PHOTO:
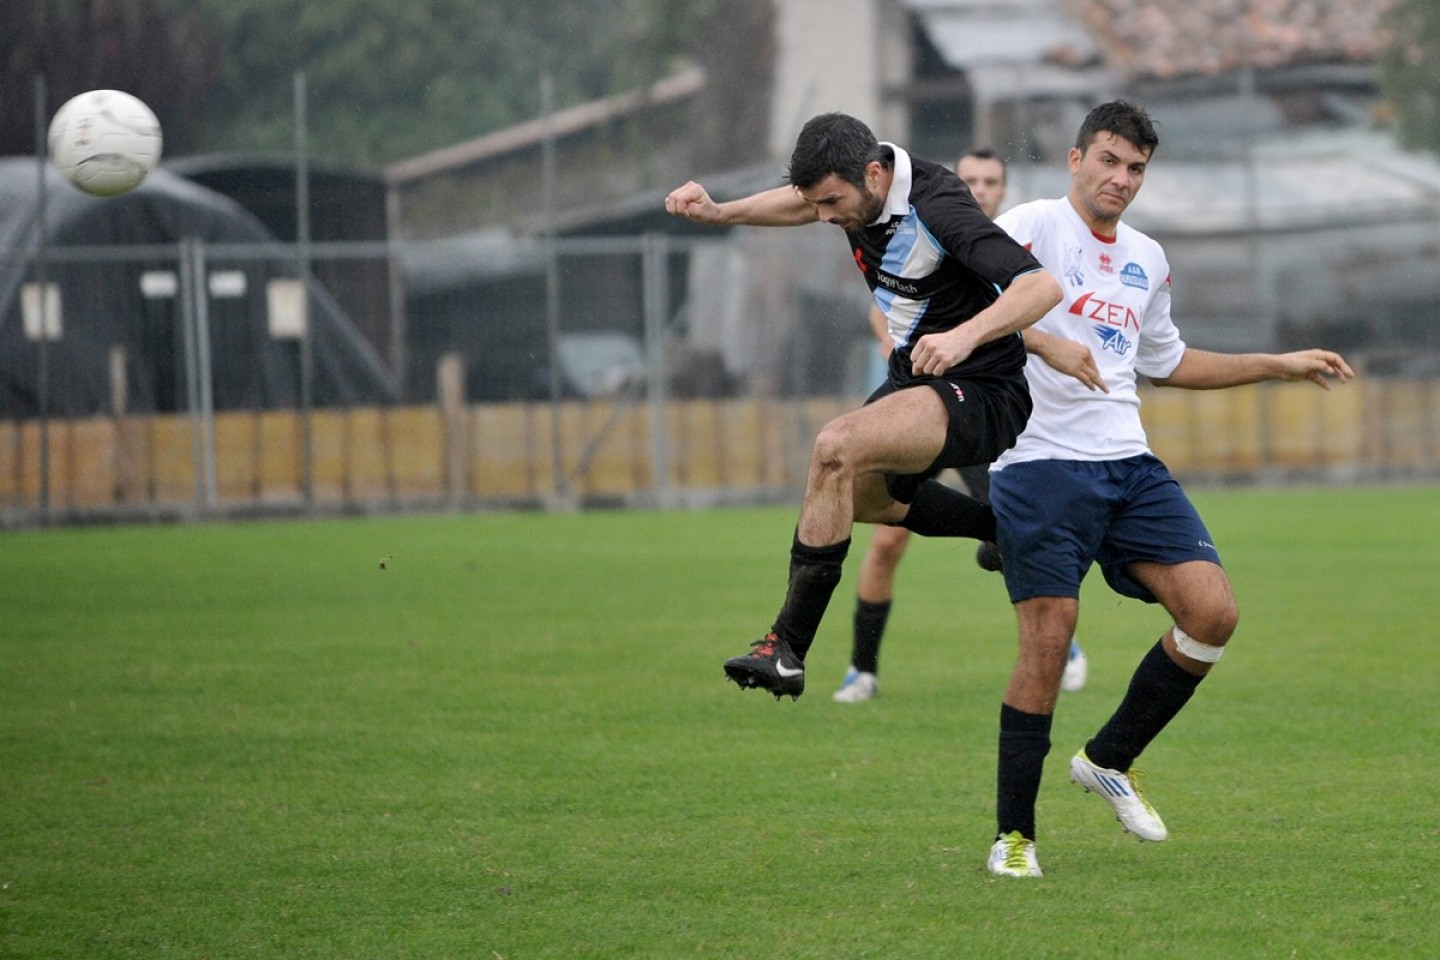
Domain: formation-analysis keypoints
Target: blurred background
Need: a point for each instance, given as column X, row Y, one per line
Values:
column 409, row 256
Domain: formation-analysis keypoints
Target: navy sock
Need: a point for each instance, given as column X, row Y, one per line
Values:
column 1158, row 690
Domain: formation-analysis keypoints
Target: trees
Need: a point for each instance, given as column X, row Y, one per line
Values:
column 391, row 78
column 163, row 52
column 1408, row 71
column 386, row 78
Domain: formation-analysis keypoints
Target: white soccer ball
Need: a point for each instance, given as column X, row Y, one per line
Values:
column 105, row 141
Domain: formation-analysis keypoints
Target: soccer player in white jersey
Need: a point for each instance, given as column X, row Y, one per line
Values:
column 1081, row 486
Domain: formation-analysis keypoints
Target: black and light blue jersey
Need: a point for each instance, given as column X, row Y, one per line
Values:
column 933, row 261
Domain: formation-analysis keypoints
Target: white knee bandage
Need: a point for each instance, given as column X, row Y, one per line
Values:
column 1194, row 649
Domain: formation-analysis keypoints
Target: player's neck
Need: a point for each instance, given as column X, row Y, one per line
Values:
column 1103, row 228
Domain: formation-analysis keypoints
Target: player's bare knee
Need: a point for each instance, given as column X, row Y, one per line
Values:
column 888, row 550
column 1204, row 635
column 1220, row 623
column 831, row 453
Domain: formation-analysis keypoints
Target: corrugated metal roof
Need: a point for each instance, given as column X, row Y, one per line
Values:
column 970, row 33
column 1153, row 38
column 1292, row 182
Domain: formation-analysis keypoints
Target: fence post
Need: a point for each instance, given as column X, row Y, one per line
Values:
column 189, row 297
column 302, row 256
column 450, row 378
column 42, row 225
column 119, row 408
column 654, row 269
column 204, row 377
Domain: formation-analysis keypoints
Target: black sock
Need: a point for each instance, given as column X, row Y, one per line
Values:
column 1157, row 691
column 977, row 481
column 869, row 628
column 814, row 572
column 1024, row 743
column 941, row 511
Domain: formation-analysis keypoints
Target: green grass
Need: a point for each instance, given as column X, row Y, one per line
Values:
column 515, row 742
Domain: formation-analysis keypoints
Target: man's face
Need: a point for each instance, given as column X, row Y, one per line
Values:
column 847, row 206
column 1106, row 177
column 985, row 176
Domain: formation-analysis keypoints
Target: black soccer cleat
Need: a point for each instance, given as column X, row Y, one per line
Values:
column 770, row 665
column 988, row 556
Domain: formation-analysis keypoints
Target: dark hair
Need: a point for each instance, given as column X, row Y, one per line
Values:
column 834, row 143
column 985, row 153
column 1124, row 120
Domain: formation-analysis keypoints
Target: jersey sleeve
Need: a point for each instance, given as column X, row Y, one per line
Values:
column 963, row 231
column 1021, row 225
column 1160, row 348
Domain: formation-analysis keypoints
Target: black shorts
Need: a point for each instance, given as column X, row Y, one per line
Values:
column 984, row 417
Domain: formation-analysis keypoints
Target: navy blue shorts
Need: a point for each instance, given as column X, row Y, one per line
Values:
column 984, row 417
column 1057, row 517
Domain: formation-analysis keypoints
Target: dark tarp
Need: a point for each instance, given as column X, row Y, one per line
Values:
column 103, row 305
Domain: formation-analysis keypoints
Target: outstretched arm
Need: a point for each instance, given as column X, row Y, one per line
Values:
column 778, row 207
column 1203, row 370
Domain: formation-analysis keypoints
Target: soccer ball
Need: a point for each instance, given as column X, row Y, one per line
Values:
column 105, row 142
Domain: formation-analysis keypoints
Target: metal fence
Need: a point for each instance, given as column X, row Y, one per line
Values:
column 200, row 380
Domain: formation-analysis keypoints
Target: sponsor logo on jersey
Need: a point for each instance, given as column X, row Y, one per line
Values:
column 891, row 282
column 1133, row 275
column 1112, row 340
column 1104, row 312
column 1107, row 266
column 860, row 261
column 1073, row 266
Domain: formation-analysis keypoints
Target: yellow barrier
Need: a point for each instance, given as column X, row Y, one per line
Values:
column 505, row 453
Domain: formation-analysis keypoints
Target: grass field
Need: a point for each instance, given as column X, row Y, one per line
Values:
column 515, row 742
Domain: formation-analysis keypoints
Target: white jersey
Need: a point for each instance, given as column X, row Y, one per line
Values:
column 1117, row 302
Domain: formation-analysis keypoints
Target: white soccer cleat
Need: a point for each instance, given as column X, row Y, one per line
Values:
column 1122, row 792
column 1077, row 670
column 1013, row 856
column 857, row 687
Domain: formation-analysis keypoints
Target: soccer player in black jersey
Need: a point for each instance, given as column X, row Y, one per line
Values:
column 984, row 172
column 956, row 291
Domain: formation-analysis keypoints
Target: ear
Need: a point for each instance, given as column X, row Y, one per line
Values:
column 1074, row 157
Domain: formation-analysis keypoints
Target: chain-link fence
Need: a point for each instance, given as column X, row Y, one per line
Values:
column 221, row 379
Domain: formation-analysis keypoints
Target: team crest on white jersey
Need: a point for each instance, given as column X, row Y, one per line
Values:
column 1073, row 266
column 1133, row 275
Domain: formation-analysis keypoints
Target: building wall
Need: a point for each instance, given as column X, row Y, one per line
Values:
column 839, row 55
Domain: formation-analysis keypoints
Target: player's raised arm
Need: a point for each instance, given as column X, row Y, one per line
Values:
column 778, row 207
